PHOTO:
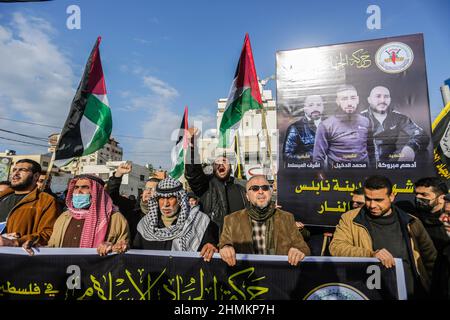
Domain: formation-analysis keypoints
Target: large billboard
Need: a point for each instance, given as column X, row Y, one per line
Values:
column 348, row 111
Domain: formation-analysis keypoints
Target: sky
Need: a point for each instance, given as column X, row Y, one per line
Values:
column 159, row 56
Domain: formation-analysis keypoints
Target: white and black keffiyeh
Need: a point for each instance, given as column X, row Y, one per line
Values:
column 187, row 233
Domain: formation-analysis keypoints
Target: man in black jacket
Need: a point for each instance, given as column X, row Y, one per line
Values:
column 218, row 192
column 393, row 135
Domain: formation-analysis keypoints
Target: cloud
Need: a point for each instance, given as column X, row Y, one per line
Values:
column 36, row 80
column 160, row 88
column 142, row 41
column 158, row 121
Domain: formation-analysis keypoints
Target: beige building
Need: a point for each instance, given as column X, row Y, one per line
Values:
column 253, row 139
column 132, row 183
column 110, row 152
column 42, row 159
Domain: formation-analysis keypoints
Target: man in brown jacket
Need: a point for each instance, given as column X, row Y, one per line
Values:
column 29, row 213
column 261, row 228
column 384, row 231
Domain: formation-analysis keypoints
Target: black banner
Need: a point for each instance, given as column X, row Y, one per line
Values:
column 80, row 274
column 348, row 111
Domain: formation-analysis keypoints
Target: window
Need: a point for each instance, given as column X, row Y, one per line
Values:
column 142, row 177
column 45, row 163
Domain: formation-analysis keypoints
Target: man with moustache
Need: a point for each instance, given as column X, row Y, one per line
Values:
column 171, row 224
column 384, row 231
column 218, row 192
column 262, row 228
column 342, row 138
column 393, row 136
column 29, row 213
column 299, row 142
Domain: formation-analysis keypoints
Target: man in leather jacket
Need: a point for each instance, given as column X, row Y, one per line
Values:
column 218, row 192
column 299, row 142
column 393, row 136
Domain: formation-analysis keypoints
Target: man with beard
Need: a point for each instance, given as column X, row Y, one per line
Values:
column 127, row 206
column 91, row 221
column 393, row 136
column 430, row 208
column 342, row 138
column 171, row 224
column 218, row 192
column 29, row 213
column 299, row 141
column 384, row 231
column 262, row 228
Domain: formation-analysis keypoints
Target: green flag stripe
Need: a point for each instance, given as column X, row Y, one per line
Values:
column 235, row 111
column 178, row 170
column 99, row 140
column 98, row 113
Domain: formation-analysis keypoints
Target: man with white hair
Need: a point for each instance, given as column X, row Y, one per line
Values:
column 171, row 224
column 299, row 142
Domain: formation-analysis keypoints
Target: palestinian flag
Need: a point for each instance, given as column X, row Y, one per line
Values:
column 89, row 123
column 441, row 137
column 244, row 95
column 180, row 148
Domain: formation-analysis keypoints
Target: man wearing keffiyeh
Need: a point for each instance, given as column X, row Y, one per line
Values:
column 262, row 228
column 92, row 220
column 171, row 224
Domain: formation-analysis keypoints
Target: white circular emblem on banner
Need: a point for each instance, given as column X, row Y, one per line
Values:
column 394, row 57
column 335, row 291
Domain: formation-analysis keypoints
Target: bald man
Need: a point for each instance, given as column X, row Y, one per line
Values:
column 299, row 142
column 394, row 136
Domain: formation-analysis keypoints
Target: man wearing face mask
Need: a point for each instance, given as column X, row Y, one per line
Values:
column 299, row 141
column 440, row 287
column 218, row 192
column 91, row 221
column 171, row 224
column 429, row 202
column 384, row 231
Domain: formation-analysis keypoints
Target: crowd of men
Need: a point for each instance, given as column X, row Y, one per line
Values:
column 220, row 216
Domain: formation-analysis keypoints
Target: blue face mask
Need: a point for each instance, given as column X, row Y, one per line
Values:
column 81, row 201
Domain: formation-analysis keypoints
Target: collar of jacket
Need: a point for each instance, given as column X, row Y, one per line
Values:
column 230, row 179
column 403, row 217
column 29, row 197
column 389, row 110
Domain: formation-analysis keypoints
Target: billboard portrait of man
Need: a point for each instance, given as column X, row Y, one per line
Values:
column 299, row 142
column 342, row 138
column 393, row 135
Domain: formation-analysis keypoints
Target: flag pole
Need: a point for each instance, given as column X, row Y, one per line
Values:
column 269, row 145
column 238, row 156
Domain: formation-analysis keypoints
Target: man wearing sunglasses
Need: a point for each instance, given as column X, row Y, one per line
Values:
column 261, row 228
column 219, row 194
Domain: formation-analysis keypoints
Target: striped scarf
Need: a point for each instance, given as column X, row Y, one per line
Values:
column 96, row 217
column 186, row 234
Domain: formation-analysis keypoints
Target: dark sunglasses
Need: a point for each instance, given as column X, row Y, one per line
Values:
column 265, row 187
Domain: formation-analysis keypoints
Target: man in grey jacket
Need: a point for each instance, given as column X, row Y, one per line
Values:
column 342, row 138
